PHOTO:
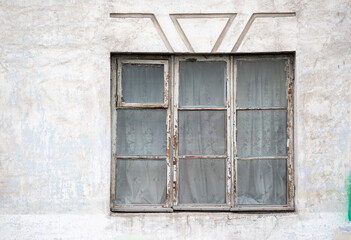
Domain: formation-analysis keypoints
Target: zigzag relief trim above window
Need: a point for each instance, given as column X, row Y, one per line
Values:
column 154, row 21
column 175, row 19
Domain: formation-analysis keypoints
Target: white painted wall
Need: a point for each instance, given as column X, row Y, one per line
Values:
column 55, row 115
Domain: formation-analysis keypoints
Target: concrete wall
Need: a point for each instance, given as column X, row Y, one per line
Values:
column 55, row 115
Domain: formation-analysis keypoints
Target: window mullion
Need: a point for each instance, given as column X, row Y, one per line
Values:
column 142, row 157
column 175, row 106
column 290, row 132
column 234, row 133
column 229, row 158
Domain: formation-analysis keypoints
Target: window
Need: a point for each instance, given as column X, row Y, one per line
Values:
column 202, row 132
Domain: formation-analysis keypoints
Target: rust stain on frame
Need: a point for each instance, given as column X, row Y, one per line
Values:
column 169, row 148
column 166, row 90
column 290, row 144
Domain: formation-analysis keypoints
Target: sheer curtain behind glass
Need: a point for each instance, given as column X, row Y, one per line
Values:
column 261, row 133
column 202, row 132
column 142, row 132
column 143, row 83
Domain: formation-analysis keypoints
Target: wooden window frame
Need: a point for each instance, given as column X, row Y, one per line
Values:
column 171, row 97
column 118, row 103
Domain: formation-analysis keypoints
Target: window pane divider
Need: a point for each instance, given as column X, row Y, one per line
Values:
column 262, row 158
column 207, row 157
column 135, row 208
column 141, row 157
column 261, row 108
column 201, row 108
column 142, row 106
column 201, row 207
column 260, row 208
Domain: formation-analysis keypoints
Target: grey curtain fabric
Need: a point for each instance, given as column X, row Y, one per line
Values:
column 262, row 182
column 261, row 84
column 143, row 83
column 261, row 133
column 202, row 132
column 141, row 132
column 202, row 84
column 202, row 181
column 141, row 181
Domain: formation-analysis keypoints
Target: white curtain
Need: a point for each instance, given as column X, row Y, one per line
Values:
column 202, row 132
column 262, row 182
column 141, row 132
column 143, row 83
column 202, row 84
column 141, row 181
column 261, row 84
column 202, row 181
column 261, row 132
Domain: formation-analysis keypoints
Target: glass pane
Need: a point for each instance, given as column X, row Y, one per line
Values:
column 141, row 132
column 202, row 132
column 261, row 84
column 262, row 182
column 202, row 84
column 202, row 181
column 143, row 83
column 141, row 181
column 261, row 133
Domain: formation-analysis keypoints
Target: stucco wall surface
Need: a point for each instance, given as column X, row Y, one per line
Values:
column 55, row 114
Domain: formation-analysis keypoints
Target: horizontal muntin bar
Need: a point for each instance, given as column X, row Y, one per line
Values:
column 261, row 108
column 136, row 209
column 141, row 157
column 202, row 108
column 183, row 207
column 258, row 208
column 262, row 158
column 141, row 106
column 207, row 157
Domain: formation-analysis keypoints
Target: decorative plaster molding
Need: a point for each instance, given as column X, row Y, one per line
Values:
column 252, row 19
column 182, row 34
column 154, row 21
column 175, row 17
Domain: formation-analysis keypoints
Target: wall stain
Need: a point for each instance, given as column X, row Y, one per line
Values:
column 349, row 194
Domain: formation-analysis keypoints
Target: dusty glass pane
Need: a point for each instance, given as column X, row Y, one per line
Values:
column 143, row 83
column 262, row 182
column 202, row 132
column 141, row 181
column 261, row 133
column 141, row 132
column 202, row 84
column 261, row 83
column 202, row 181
